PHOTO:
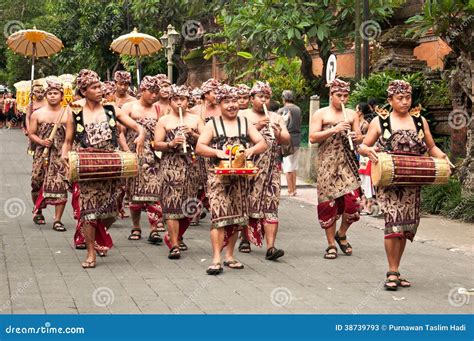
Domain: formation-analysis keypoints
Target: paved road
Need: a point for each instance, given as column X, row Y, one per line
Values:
column 40, row 270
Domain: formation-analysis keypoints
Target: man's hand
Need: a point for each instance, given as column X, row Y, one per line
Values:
column 220, row 154
column 249, row 152
column 262, row 123
column 47, row 142
column 342, row 126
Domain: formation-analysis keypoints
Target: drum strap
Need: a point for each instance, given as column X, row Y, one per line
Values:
column 81, row 135
column 386, row 127
column 110, row 112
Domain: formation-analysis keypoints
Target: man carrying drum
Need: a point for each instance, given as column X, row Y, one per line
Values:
column 401, row 131
column 93, row 127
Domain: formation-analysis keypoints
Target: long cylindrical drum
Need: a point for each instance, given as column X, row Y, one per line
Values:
column 409, row 170
column 101, row 165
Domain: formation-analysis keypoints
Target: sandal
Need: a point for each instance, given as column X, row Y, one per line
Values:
column 233, row 264
column 134, row 235
column 343, row 247
column 101, row 250
column 404, row 283
column 160, row 227
column 38, row 219
column 329, row 254
column 58, row 226
column 81, row 246
column 182, row 246
column 214, row 269
column 390, row 280
column 273, row 253
column 155, row 237
column 174, row 253
column 88, row 265
column 244, row 246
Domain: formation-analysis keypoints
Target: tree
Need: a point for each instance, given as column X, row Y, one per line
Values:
column 156, row 15
column 265, row 28
column 452, row 21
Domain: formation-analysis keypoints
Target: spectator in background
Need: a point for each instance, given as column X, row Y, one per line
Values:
column 365, row 116
column 3, row 117
column 372, row 103
column 291, row 114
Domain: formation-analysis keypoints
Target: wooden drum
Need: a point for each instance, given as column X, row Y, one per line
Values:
column 98, row 165
column 409, row 170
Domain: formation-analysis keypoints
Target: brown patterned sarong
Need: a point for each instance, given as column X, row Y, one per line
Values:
column 401, row 204
column 48, row 186
column 178, row 195
column 144, row 188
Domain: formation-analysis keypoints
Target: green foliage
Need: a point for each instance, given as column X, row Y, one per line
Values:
column 448, row 201
column 452, row 20
column 438, row 199
column 263, row 29
column 437, row 93
column 376, row 87
column 464, row 210
column 424, row 93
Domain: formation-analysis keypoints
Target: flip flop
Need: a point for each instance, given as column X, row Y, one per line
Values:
column 212, row 270
column 233, row 264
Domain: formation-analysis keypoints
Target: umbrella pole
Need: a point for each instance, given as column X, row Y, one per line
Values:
column 30, row 109
column 138, row 66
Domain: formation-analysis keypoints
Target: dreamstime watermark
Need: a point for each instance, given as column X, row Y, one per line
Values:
column 454, row 33
column 196, row 292
column 12, row 26
column 370, row 30
column 459, row 296
column 191, row 207
column 192, row 30
column 458, row 119
column 14, row 208
column 377, row 289
column 103, row 297
column 17, row 294
column 281, row 296
column 102, row 30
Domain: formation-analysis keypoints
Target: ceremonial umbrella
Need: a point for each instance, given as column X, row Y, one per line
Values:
column 136, row 44
column 34, row 43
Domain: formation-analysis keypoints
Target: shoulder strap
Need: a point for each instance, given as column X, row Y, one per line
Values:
column 222, row 126
column 217, row 128
column 385, row 126
column 242, row 132
column 112, row 121
column 419, row 126
column 80, row 134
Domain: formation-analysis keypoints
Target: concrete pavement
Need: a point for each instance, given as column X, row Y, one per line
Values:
column 40, row 270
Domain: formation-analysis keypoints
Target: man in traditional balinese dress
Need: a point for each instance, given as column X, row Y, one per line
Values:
column 94, row 127
column 402, row 131
column 176, row 138
column 266, row 185
column 143, row 190
column 47, row 180
column 338, row 182
column 228, row 195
